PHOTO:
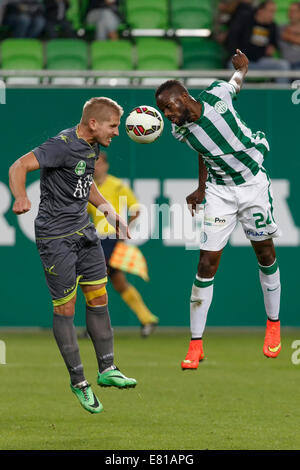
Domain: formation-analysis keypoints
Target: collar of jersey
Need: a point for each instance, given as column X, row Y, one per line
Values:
column 81, row 138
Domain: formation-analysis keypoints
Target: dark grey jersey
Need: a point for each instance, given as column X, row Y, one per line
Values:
column 67, row 165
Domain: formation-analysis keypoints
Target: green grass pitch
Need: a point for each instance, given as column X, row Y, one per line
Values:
column 237, row 399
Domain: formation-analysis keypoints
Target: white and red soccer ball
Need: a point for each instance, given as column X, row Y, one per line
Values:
column 144, row 124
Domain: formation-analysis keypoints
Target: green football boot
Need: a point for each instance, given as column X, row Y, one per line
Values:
column 115, row 378
column 86, row 397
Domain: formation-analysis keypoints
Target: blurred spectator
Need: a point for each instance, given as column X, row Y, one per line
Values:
column 105, row 15
column 228, row 12
column 256, row 34
column 2, row 10
column 56, row 22
column 290, row 37
column 25, row 18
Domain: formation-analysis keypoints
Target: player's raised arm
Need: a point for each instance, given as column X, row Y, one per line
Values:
column 17, row 181
column 240, row 63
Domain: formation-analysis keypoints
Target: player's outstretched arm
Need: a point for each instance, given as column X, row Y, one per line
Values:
column 240, row 63
column 17, row 181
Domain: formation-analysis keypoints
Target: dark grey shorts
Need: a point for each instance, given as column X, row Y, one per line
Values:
column 72, row 260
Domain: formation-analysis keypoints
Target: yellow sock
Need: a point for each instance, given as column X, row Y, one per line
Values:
column 134, row 301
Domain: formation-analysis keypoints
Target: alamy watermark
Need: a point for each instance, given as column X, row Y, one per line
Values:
column 2, row 92
column 170, row 222
column 296, row 354
column 296, row 94
column 2, row 352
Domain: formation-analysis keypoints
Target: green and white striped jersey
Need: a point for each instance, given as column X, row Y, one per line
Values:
column 231, row 152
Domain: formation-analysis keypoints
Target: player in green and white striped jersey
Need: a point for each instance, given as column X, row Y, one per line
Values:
column 234, row 186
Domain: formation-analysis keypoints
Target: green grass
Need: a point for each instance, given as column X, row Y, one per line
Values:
column 237, row 399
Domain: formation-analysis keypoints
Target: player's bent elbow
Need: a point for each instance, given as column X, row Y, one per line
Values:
column 13, row 170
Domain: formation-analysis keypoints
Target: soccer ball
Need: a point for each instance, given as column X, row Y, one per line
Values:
column 144, row 124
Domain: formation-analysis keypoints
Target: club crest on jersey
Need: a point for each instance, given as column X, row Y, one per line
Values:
column 221, row 107
column 80, row 168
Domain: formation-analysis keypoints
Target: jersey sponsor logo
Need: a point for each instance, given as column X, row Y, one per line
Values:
column 83, row 187
column 214, row 221
column 254, row 234
column 91, row 155
column 80, row 168
column 221, row 107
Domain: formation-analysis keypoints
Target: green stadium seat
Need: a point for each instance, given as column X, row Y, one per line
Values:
column 200, row 53
column 112, row 55
column 67, row 54
column 147, row 14
column 191, row 14
column 24, row 54
column 157, row 54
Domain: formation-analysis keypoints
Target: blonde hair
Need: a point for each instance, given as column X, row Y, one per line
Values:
column 101, row 109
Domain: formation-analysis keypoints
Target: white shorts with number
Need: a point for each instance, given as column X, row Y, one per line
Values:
column 250, row 203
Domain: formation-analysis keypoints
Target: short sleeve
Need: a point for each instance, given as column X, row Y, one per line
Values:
column 224, row 90
column 51, row 154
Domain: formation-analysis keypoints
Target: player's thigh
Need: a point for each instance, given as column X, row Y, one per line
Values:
column 91, row 265
column 256, row 209
column 59, row 259
column 220, row 217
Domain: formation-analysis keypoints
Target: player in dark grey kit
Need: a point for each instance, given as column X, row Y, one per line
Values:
column 67, row 241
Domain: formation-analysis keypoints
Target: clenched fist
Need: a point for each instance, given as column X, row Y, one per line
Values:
column 240, row 61
column 21, row 205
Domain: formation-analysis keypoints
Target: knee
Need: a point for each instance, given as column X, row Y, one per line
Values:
column 265, row 252
column 266, row 258
column 208, row 266
column 67, row 310
column 96, row 297
column 99, row 301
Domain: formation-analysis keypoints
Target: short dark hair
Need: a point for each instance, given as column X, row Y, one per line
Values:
column 168, row 85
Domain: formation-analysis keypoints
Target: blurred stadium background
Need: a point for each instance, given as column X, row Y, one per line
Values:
column 45, row 83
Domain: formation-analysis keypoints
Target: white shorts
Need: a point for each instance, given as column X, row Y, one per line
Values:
column 250, row 203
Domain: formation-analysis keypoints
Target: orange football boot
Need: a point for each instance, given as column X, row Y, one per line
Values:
column 194, row 355
column 272, row 344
